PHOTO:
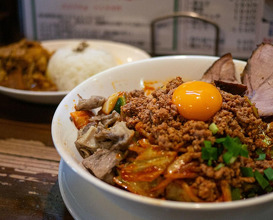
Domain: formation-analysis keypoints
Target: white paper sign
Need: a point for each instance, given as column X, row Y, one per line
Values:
column 129, row 21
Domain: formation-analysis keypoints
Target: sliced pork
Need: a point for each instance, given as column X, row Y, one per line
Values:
column 263, row 98
column 258, row 77
column 222, row 69
column 233, row 88
column 223, row 73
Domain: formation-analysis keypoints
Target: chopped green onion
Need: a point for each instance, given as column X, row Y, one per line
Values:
column 261, row 157
column 236, row 140
column 209, row 153
column 220, row 149
column 213, row 128
column 227, row 157
column 244, row 147
column 220, row 140
column 261, row 180
column 244, row 151
column 207, row 144
column 219, row 166
column 266, row 140
column 252, row 190
column 248, row 100
column 234, row 148
column 255, row 111
column 261, row 154
column 269, row 173
column 247, row 171
column 235, row 194
column 251, row 195
column 232, row 159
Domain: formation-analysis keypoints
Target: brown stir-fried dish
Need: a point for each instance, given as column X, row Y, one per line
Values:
column 148, row 145
column 23, row 66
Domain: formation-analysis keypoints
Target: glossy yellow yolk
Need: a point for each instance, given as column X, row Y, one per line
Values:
column 197, row 100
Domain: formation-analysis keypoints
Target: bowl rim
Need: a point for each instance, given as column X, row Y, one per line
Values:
column 138, row 198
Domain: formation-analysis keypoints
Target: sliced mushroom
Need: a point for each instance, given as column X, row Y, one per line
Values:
column 102, row 162
column 91, row 103
column 115, row 138
column 86, row 143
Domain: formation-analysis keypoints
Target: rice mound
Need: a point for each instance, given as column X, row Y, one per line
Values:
column 67, row 67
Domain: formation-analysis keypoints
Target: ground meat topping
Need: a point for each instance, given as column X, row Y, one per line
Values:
column 156, row 118
column 162, row 154
column 206, row 189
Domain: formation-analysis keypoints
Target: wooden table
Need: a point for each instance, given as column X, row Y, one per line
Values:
column 29, row 163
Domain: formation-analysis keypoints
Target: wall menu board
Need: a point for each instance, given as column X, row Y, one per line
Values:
column 128, row 21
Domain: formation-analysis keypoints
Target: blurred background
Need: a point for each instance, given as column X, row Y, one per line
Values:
column 242, row 23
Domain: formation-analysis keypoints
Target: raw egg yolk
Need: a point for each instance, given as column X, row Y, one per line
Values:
column 197, row 100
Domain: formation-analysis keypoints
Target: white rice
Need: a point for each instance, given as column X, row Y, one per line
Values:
column 67, row 68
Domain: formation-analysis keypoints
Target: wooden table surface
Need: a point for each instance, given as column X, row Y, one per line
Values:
column 29, row 162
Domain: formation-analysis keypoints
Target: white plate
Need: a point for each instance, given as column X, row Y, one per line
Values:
column 122, row 52
column 73, row 187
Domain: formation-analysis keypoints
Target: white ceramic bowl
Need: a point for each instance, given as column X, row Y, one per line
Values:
column 124, row 53
column 126, row 78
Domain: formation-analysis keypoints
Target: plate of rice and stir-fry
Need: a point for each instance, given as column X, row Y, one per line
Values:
column 44, row 72
column 200, row 137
